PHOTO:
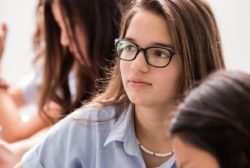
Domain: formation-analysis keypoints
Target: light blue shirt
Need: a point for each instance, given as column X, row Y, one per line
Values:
column 91, row 138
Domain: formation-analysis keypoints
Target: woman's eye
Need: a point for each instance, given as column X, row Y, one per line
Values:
column 130, row 48
column 162, row 53
column 126, row 46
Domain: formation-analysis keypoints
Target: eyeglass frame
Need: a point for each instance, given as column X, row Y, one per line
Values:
column 144, row 50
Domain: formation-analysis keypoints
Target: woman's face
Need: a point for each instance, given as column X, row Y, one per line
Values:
column 146, row 85
column 188, row 156
column 66, row 38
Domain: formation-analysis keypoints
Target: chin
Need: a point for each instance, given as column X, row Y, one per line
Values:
column 139, row 101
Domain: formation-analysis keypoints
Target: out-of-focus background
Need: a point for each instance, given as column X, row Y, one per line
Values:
column 20, row 17
column 234, row 24
column 18, row 54
column 232, row 17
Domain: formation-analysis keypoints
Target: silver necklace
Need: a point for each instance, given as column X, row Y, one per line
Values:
column 167, row 154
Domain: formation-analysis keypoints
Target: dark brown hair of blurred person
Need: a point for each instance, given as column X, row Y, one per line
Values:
column 100, row 19
column 215, row 117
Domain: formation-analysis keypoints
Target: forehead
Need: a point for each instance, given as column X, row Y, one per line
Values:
column 190, row 156
column 147, row 27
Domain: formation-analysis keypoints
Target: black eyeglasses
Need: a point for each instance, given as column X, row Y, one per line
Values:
column 155, row 56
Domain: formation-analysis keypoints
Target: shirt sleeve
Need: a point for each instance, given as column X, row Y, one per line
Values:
column 52, row 152
column 31, row 160
column 61, row 147
column 72, row 142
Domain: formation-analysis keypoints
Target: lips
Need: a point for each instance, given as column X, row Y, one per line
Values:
column 138, row 82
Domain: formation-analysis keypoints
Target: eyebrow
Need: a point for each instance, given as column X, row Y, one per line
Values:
column 154, row 44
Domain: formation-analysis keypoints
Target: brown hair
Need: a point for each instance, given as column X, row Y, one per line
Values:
column 195, row 37
column 101, row 20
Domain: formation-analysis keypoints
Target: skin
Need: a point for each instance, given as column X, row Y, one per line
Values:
column 7, row 158
column 66, row 36
column 20, row 135
column 10, row 154
column 65, row 41
column 11, row 99
column 14, row 129
column 189, row 156
column 151, row 89
column 147, row 86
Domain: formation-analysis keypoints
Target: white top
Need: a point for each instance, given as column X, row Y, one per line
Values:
column 29, row 86
column 31, row 83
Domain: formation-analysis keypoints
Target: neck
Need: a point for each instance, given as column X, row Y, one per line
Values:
column 151, row 128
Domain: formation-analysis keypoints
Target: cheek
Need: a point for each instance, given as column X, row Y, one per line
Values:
column 173, row 77
column 124, row 71
column 176, row 82
column 168, row 82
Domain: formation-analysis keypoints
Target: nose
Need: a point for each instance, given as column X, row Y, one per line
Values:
column 64, row 39
column 139, row 63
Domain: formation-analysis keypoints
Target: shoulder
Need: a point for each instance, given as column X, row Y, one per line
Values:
column 81, row 127
column 84, row 121
column 94, row 113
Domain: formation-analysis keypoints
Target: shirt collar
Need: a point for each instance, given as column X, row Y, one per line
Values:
column 123, row 131
column 170, row 163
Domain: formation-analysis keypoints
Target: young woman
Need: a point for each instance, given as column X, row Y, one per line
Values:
column 85, row 52
column 211, row 128
column 12, row 98
column 163, row 49
column 79, row 44
column 70, row 77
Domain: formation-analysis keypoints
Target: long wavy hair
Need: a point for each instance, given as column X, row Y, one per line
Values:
column 195, row 37
column 215, row 117
column 101, row 20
